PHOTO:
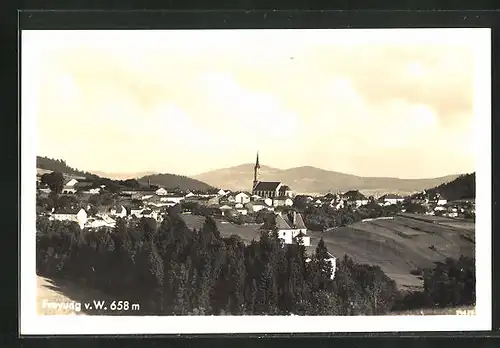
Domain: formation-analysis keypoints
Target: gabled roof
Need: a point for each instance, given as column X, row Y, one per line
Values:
column 118, row 207
column 267, row 186
column 240, row 192
column 285, row 188
column 259, row 202
column 68, row 211
column 281, row 223
column 390, row 196
column 147, row 212
column 299, row 222
column 281, row 198
column 354, row 195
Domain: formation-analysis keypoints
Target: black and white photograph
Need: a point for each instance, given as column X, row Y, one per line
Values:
column 253, row 181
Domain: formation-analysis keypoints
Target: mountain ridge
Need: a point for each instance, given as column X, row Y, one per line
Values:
column 309, row 179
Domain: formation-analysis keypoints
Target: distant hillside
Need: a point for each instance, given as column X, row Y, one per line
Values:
column 316, row 180
column 172, row 181
column 461, row 188
column 57, row 165
column 122, row 176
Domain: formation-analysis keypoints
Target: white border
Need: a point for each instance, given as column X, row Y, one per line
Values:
column 31, row 324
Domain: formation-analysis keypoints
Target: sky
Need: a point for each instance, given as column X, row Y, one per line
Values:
column 398, row 103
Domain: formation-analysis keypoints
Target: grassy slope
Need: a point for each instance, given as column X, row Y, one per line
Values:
column 397, row 246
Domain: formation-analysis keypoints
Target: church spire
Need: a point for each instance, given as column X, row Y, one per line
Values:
column 256, row 172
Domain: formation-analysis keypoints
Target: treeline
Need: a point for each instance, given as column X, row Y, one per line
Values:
column 450, row 283
column 58, row 165
column 171, row 270
column 461, row 188
column 325, row 217
column 173, row 181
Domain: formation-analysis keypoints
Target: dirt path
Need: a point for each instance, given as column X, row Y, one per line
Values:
column 51, row 293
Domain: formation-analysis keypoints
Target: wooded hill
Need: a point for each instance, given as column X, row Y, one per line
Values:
column 463, row 187
column 168, row 181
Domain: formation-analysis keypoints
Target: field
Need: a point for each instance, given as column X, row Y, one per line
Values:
column 247, row 233
column 398, row 246
column 402, row 244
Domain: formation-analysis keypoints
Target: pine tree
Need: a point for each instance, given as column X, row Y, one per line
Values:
column 320, row 268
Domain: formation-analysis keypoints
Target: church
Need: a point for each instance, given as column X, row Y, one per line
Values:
column 268, row 189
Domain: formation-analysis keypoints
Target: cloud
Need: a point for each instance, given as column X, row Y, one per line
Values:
column 190, row 103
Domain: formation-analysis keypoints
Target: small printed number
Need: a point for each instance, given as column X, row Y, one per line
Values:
column 119, row 305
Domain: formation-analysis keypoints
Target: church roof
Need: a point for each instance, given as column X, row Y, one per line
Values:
column 267, row 186
column 281, row 223
column 299, row 222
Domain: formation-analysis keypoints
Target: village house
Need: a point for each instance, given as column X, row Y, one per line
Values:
column 118, row 211
column 224, row 209
column 44, row 189
column 355, row 198
column 69, row 187
column 420, row 198
column 151, row 214
column 100, row 221
column 94, row 191
column 161, row 192
column 206, row 200
column 242, row 197
column 221, row 192
column 256, row 206
column 389, row 199
column 75, row 214
column 438, row 199
column 241, row 210
column 137, row 212
column 285, row 191
column 290, row 226
column 282, row 201
column 173, row 199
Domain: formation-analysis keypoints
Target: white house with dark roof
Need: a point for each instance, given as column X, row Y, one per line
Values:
column 290, row 226
column 69, row 187
column 282, row 201
column 174, row 199
column 242, row 197
column 137, row 212
column 285, row 191
column 224, row 209
column 390, row 199
column 354, row 197
column 440, row 200
column 256, row 206
column 75, row 214
column 118, row 211
column 100, row 221
column 149, row 213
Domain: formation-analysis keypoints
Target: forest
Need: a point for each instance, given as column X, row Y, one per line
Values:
column 463, row 187
column 171, row 270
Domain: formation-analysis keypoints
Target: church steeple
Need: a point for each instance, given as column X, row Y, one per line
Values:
column 256, row 171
